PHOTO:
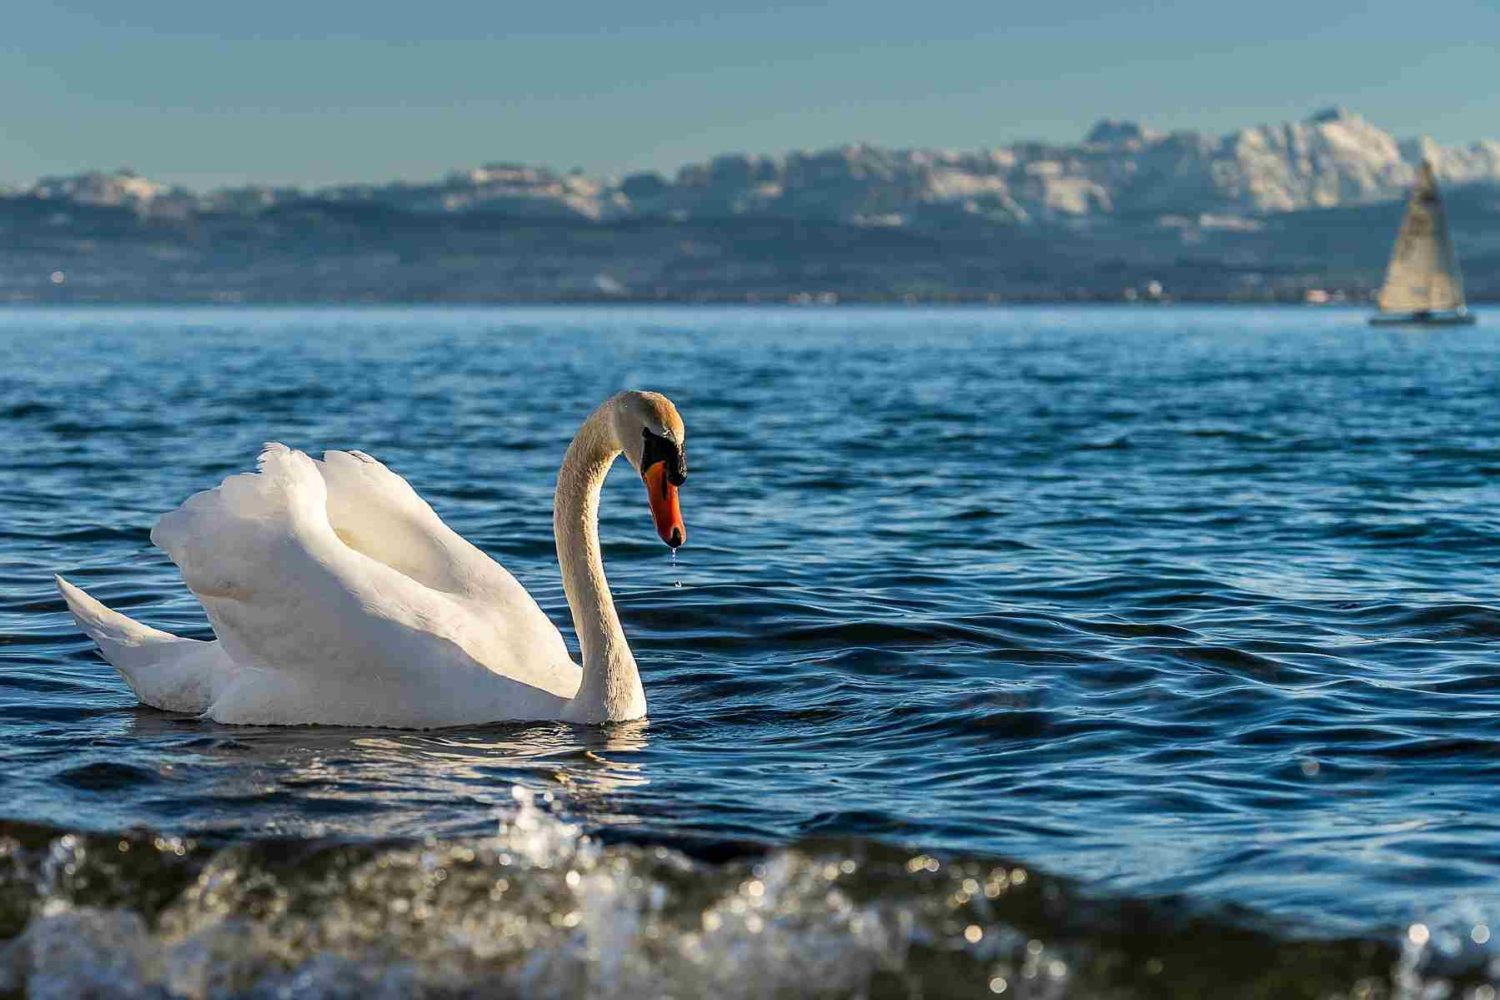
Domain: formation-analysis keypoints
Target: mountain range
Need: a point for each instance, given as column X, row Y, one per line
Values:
column 1265, row 212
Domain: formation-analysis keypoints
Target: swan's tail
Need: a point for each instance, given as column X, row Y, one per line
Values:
column 165, row 671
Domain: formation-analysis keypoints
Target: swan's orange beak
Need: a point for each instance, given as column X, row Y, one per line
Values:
column 664, row 509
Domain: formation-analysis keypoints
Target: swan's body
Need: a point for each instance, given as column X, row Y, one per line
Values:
column 338, row 596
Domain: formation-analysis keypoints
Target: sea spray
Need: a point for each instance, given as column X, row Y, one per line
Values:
column 543, row 909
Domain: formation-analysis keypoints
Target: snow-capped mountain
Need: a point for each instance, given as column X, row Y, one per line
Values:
column 122, row 188
column 1273, row 212
column 1120, row 170
column 1333, row 159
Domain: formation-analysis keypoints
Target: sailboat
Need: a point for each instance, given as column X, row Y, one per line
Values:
column 1422, row 282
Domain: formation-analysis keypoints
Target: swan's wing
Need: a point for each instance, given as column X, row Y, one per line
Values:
column 376, row 512
column 312, row 620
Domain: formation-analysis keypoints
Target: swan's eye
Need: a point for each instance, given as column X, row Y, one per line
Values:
column 663, row 449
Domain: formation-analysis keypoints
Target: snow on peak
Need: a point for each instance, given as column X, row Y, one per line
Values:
column 1334, row 157
column 122, row 188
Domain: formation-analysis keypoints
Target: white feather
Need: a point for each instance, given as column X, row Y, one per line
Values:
column 341, row 600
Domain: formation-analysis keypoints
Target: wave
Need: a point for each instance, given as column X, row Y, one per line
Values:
column 542, row 909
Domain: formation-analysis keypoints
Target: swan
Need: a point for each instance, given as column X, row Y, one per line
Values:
column 338, row 596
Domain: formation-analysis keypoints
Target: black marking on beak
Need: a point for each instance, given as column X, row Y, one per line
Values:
column 662, row 449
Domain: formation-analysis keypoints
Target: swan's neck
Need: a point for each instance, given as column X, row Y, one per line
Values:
column 611, row 687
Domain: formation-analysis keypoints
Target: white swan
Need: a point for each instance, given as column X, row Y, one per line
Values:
column 338, row 596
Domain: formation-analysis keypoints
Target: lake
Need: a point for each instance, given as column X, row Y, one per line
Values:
column 1037, row 651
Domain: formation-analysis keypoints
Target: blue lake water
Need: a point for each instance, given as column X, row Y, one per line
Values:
column 1000, row 634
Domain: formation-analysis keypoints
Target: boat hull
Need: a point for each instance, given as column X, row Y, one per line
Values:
column 1464, row 318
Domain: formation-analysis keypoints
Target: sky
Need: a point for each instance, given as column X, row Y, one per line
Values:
column 322, row 91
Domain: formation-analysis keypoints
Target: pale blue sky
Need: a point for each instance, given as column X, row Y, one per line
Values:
column 311, row 91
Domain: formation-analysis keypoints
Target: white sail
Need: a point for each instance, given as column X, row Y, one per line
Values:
column 1423, row 274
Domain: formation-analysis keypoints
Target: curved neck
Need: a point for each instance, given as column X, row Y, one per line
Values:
column 610, row 690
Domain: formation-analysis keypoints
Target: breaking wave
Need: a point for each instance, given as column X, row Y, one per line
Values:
column 541, row 909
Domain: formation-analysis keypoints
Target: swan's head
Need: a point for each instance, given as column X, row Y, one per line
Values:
column 651, row 434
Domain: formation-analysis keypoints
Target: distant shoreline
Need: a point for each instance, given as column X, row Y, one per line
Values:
column 768, row 304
